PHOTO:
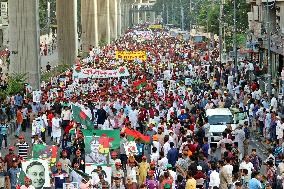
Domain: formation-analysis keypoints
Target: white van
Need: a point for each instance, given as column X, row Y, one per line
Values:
column 218, row 119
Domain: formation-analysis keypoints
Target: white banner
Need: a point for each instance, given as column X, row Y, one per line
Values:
column 98, row 73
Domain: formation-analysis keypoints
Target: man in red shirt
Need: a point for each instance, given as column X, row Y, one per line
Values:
column 50, row 116
column 10, row 157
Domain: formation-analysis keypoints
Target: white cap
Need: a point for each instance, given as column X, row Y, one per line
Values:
column 199, row 168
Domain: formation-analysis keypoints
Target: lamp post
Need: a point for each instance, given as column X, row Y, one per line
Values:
column 235, row 43
column 269, row 79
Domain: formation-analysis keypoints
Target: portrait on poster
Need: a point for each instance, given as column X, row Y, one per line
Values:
column 93, row 154
column 38, row 171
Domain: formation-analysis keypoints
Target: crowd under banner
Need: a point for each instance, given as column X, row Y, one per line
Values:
column 131, row 55
column 83, row 73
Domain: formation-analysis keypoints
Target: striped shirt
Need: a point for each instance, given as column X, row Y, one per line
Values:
column 23, row 149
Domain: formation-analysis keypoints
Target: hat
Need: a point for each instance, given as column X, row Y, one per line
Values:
column 59, row 164
column 152, row 163
column 27, row 179
column 78, row 151
column 144, row 157
column 169, row 166
column 199, row 168
column 12, row 148
column 21, row 137
column 278, row 117
column 117, row 163
column 114, row 153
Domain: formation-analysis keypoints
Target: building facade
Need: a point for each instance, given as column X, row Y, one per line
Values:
column 261, row 24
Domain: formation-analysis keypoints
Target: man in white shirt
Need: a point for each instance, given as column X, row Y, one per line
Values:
column 214, row 177
column 163, row 162
column 246, row 164
column 66, row 116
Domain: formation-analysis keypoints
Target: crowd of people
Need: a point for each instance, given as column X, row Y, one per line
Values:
column 165, row 98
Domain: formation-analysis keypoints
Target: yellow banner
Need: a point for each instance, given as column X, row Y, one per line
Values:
column 130, row 55
column 156, row 27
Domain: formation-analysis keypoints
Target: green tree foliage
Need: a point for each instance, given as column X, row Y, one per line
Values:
column 15, row 84
column 203, row 12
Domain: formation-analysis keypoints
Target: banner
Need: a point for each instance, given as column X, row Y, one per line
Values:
column 45, row 152
column 131, row 55
column 156, row 26
column 38, row 171
column 98, row 73
column 36, row 96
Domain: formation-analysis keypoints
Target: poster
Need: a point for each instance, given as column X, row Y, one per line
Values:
column 36, row 96
column 92, row 170
column 38, row 171
column 72, row 185
column 98, row 73
column 131, row 55
column 131, row 148
column 160, row 88
column 93, row 155
column 167, row 75
column 187, row 82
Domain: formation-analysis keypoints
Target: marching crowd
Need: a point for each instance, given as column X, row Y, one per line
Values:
column 165, row 97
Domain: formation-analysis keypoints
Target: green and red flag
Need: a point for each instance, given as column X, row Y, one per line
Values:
column 139, row 84
column 133, row 135
column 80, row 116
column 43, row 151
column 107, row 138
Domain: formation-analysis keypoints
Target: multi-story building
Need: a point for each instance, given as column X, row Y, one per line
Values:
column 4, row 25
column 259, row 21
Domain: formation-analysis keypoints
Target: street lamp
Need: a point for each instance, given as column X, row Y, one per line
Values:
column 268, row 53
column 235, row 43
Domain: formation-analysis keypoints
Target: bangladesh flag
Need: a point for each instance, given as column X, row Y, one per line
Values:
column 81, row 117
column 133, row 134
column 44, row 151
column 112, row 138
column 139, row 84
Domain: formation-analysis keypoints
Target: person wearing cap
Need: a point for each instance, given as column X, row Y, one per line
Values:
column 23, row 147
column 117, row 172
column 10, row 157
column 27, row 184
column 59, row 176
column 151, row 182
column 66, row 163
column 143, row 169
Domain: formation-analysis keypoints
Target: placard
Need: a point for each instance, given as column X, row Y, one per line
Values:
column 38, row 171
column 36, row 96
